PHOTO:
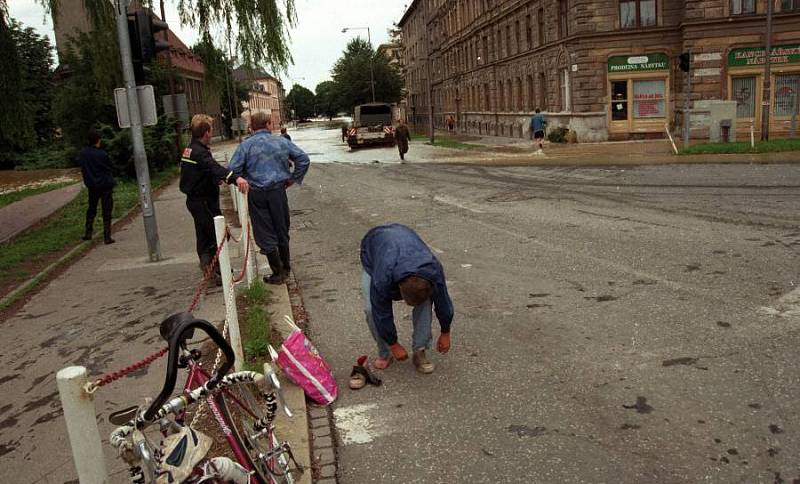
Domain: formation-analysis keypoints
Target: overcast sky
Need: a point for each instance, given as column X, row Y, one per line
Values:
column 317, row 40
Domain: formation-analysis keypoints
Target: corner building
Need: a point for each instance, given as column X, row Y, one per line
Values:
column 606, row 69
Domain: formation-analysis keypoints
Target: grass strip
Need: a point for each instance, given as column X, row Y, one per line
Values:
column 742, row 147
column 19, row 257
column 257, row 327
column 9, row 198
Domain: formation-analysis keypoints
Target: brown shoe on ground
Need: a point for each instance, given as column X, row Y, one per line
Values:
column 422, row 363
column 382, row 363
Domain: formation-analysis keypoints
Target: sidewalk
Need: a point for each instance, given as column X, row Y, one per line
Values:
column 21, row 215
column 103, row 313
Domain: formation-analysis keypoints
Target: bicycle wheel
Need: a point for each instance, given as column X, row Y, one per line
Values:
column 263, row 452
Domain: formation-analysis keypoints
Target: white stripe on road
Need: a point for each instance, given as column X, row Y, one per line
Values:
column 456, row 203
column 787, row 306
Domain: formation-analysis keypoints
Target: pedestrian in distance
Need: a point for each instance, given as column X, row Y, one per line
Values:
column 538, row 124
column 264, row 160
column 451, row 123
column 344, row 134
column 398, row 265
column 201, row 176
column 99, row 180
column 285, row 134
column 402, row 136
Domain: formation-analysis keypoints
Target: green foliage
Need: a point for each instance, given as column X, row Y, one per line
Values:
column 327, row 102
column 160, row 147
column 301, row 100
column 558, row 135
column 257, row 293
column 51, row 155
column 772, row 146
column 255, row 345
column 351, row 76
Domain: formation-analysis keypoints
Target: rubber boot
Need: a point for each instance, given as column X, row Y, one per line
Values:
column 205, row 261
column 283, row 250
column 276, row 265
column 87, row 235
column 107, row 233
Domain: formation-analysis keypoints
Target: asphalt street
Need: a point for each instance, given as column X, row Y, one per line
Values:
column 612, row 324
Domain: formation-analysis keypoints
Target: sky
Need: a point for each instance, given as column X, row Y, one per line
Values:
column 317, row 40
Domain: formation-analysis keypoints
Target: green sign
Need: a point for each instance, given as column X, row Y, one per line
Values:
column 756, row 56
column 638, row 63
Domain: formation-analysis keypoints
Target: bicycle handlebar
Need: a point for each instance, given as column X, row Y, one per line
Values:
column 177, row 329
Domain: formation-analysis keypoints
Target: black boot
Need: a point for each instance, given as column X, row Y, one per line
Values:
column 278, row 276
column 87, row 235
column 205, row 261
column 107, row 233
column 283, row 250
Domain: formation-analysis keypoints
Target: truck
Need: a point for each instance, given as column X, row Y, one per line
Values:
column 372, row 125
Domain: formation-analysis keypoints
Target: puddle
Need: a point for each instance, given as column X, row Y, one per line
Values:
column 688, row 361
column 356, row 425
column 603, row 298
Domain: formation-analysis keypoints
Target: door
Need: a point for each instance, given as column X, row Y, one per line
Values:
column 746, row 91
column 619, row 106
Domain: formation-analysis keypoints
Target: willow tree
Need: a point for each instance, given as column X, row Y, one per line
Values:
column 259, row 29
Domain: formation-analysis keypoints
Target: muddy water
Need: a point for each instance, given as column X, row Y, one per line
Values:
column 14, row 180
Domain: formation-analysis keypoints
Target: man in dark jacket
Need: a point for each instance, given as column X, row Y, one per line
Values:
column 96, row 169
column 397, row 265
column 402, row 137
column 200, row 179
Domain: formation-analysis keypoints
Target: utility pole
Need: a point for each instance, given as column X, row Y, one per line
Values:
column 765, row 98
column 687, row 102
column 430, row 80
column 137, row 136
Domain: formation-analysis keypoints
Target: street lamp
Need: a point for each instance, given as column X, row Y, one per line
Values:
column 371, row 66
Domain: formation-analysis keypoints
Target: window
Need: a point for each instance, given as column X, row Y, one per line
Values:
column 619, row 100
column 637, row 13
column 566, row 91
column 787, row 94
column 485, row 48
column 790, row 5
column 563, row 14
column 540, row 25
column 743, row 91
column 517, row 37
column 649, row 99
column 531, row 94
column 508, row 40
column 542, row 97
column 529, row 31
column 739, row 7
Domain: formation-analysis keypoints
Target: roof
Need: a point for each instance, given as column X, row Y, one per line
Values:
column 243, row 73
column 408, row 12
column 182, row 57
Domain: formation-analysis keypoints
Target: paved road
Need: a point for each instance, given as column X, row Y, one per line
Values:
column 612, row 325
column 21, row 215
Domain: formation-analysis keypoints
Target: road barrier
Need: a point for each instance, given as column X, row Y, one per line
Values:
column 77, row 392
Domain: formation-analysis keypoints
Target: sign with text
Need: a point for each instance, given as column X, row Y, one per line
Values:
column 756, row 56
column 638, row 63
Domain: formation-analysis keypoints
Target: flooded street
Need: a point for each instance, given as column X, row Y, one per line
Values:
column 15, row 180
column 633, row 324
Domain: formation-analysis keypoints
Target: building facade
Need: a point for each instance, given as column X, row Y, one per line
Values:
column 265, row 94
column 605, row 69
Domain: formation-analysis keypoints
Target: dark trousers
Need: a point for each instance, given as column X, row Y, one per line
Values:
column 269, row 212
column 203, row 211
column 105, row 197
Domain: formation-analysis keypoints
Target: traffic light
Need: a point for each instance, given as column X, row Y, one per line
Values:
column 685, row 61
column 142, row 29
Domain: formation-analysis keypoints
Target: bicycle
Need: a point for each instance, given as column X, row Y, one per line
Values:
column 181, row 456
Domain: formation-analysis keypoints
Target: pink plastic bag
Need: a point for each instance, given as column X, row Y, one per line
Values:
column 302, row 363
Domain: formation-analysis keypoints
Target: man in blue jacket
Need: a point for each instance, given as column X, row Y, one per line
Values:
column 264, row 161
column 397, row 265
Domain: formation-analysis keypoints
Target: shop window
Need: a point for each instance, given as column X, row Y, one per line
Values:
column 743, row 7
column 619, row 100
column 790, row 5
column 637, row 13
column 787, row 94
column 743, row 91
column 649, row 99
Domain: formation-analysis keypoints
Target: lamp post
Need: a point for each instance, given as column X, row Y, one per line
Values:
column 371, row 60
column 765, row 97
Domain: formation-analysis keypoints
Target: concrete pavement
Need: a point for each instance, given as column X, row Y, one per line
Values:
column 610, row 322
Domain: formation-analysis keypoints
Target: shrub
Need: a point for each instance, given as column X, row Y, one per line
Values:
column 558, row 135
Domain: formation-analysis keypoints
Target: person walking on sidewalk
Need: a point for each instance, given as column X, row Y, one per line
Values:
column 402, row 136
column 285, row 134
column 538, row 124
column 99, row 181
column 201, row 176
column 397, row 264
column 264, row 160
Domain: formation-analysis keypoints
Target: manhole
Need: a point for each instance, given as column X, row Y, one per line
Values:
column 509, row 197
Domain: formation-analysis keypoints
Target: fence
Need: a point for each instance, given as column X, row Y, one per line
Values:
column 77, row 391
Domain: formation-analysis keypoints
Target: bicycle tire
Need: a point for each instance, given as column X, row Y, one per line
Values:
column 240, row 421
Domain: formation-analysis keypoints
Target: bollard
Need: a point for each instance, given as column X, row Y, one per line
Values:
column 229, row 294
column 234, row 191
column 252, row 269
column 84, row 436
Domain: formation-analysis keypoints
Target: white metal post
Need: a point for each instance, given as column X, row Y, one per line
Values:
column 234, row 198
column 252, row 267
column 229, row 294
column 84, row 436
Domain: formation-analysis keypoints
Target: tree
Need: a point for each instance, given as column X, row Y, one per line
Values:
column 260, row 27
column 351, row 76
column 301, row 101
column 35, row 55
column 327, row 102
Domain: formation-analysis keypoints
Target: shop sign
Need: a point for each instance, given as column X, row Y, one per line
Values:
column 755, row 56
column 638, row 63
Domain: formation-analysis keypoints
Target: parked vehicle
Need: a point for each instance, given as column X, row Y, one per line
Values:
column 372, row 125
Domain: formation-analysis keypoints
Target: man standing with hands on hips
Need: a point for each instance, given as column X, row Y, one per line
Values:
column 397, row 265
column 264, row 160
